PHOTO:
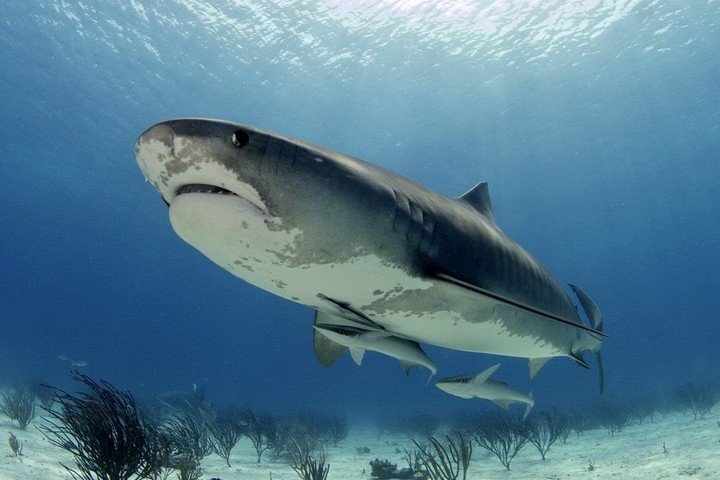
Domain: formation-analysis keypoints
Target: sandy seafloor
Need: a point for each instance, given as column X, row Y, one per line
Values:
column 635, row 453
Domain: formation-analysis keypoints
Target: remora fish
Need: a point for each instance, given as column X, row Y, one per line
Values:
column 357, row 340
column 360, row 243
column 480, row 386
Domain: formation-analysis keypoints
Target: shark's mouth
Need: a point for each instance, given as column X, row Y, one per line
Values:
column 248, row 200
column 201, row 188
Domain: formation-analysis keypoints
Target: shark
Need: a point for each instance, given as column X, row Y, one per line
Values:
column 189, row 403
column 409, row 353
column 71, row 362
column 361, row 245
column 480, row 386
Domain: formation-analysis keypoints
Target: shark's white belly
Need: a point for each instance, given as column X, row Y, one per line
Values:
column 256, row 248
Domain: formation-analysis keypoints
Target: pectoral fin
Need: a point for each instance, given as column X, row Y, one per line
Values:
column 357, row 355
column 579, row 359
column 326, row 351
column 536, row 364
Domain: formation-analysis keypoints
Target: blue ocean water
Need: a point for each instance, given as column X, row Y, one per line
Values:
column 596, row 124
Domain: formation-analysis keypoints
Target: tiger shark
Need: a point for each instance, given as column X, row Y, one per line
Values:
column 361, row 245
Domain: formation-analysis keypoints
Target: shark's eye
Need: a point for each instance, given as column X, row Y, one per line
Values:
column 240, row 138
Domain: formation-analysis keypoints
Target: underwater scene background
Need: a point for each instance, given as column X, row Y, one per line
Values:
column 595, row 123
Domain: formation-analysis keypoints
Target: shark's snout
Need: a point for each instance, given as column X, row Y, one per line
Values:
column 154, row 148
column 445, row 387
column 185, row 156
column 162, row 133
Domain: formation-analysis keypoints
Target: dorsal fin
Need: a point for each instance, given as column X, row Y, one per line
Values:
column 482, row 377
column 479, row 198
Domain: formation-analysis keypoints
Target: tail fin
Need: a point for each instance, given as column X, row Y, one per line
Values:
column 593, row 313
column 529, row 406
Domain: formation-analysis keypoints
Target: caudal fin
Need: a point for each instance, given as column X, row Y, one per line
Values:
column 596, row 322
column 529, row 406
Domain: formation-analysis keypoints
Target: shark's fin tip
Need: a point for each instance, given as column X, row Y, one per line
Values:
column 478, row 197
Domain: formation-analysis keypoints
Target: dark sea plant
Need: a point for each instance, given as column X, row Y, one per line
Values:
column 308, row 429
column 412, row 458
column 698, row 399
column 381, row 426
column 225, row 432
column 384, row 470
column 281, row 443
column 580, row 421
column 261, row 428
column 187, row 468
column 186, row 438
column 546, row 429
column 19, row 405
column 415, row 424
column 286, row 432
column 43, row 393
column 15, row 445
column 614, row 417
column 645, row 408
column 502, row 436
column 306, row 466
column 445, row 462
column 337, row 430
column 105, row 433
column 311, row 429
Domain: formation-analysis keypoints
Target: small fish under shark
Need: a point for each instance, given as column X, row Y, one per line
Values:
column 362, row 246
column 410, row 354
column 480, row 386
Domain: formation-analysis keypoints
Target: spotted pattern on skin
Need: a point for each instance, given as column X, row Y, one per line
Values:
column 171, row 164
column 284, row 257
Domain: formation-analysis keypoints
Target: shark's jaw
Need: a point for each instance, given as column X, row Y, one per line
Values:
column 342, row 236
column 196, row 169
column 181, row 157
column 212, row 197
column 221, row 225
column 212, row 205
column 244, row 208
